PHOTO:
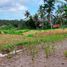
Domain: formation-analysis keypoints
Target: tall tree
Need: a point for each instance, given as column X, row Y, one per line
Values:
column 27, row 14
column 49, row 7
column 46, row 9
column 41, row 12
column 61, row 13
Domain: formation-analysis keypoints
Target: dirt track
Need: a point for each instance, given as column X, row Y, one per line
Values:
column 23, row 60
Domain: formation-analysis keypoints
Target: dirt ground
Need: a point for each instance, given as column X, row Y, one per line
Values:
column 24, row 60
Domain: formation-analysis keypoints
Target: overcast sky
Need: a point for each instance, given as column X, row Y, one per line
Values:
column 14, row 9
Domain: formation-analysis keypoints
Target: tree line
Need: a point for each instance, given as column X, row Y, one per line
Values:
column 49, row 15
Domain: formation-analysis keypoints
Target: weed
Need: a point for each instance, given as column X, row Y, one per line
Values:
column 33, row 51
column 7, row 48
column 35, row 39
column 9, row 56
column 65, row 53
column 49, row 49
column 30, row 35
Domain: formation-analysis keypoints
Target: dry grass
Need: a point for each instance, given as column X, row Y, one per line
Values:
column 11, row 39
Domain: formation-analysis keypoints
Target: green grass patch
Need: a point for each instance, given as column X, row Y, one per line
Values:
column 33, row 39
column 18, row 32
column 30, row 35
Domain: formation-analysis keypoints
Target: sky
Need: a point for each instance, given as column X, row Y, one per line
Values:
column 15, row 9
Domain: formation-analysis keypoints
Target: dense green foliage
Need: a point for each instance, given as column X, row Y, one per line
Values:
column 48, row 14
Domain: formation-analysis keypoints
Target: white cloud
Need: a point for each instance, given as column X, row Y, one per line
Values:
column 17, row 8
column 40, row 2
column 11, row 5
column 4, row 1
column 31, row 2
column 18, row 5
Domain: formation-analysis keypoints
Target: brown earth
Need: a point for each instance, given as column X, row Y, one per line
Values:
column 24, row 60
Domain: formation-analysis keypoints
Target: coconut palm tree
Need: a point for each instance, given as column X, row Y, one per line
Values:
column 41, row 12
column 27, row 14
column 46, row 10
column 61, row 13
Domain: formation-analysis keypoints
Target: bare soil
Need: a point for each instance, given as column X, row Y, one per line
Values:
column 23, row 60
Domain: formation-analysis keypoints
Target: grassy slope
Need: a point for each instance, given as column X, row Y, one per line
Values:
column 34, row 37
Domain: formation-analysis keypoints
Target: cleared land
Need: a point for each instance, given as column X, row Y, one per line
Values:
column 23, row 60
column 40, row 48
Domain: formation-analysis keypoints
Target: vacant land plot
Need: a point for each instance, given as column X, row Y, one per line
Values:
column 33, row 37
column 38, row 48
column 22, row 59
